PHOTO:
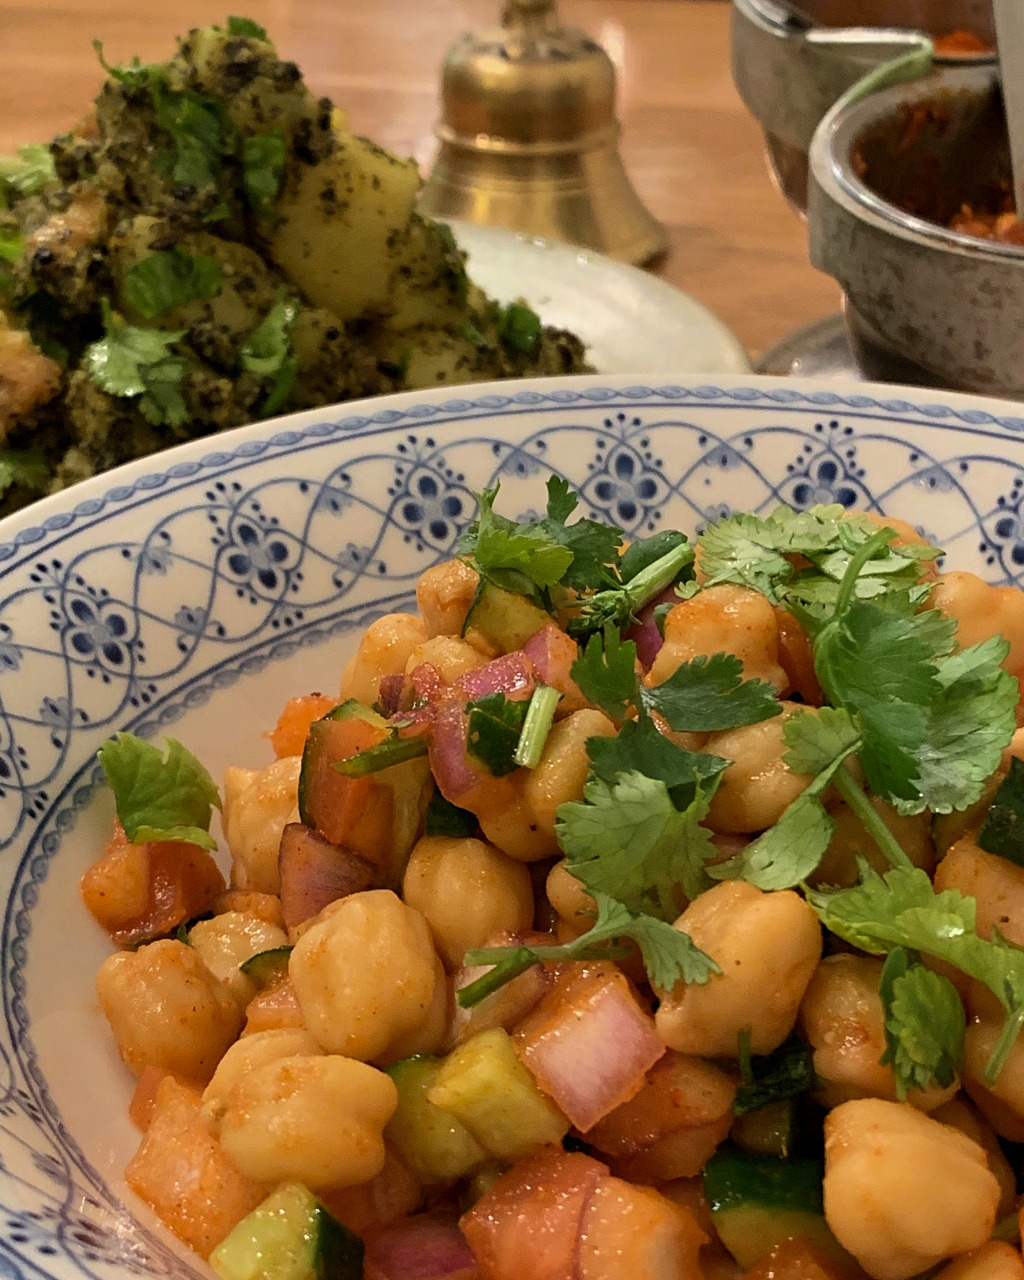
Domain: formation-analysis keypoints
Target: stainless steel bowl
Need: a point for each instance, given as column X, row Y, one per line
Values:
column 791, row 63
column 923, row 304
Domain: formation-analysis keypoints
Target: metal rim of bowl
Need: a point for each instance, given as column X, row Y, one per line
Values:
column 831, row 168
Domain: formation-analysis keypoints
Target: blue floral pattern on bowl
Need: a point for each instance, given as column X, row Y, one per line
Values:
column 143, row 598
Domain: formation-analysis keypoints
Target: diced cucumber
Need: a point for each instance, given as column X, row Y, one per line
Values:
column 769, row 1131
column 318, row 743
column 503, row 618
column 290, row 1236
column 758, row 1201
column 433, row 1143
column 484, row 1085
column 267, row 967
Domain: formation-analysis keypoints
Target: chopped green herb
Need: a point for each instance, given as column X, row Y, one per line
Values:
column 606, row 673
column 27, row 173
column 12, row 245
column 669, row 955
column 263, row 161
column 708, row 694
column 131, row 362
column 446, row 819
column 519, row 327
column 134, row 74
column 495, row 724
column 540, row 715
column 1003, row 829
column 200, row 130
column 170, row 278
column 785, row 1073
column 23, row 467
column 246, row 27
column 268, row 353
column 393, row 750
column 619, row 604
column 159, row 797
column 925, row 1024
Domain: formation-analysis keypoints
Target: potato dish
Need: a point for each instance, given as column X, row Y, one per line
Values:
column 211, row 244
column 648, row 912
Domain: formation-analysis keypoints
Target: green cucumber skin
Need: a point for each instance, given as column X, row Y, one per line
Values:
column 735, row 1179
column 289, row 1236
column 264, row 966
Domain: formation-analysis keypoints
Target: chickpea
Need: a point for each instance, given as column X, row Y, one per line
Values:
column 961, row 1113
column 227, row 941
column 166, row 1009
column 466, row 890
column 444, row 594
column 365, row 974
column 757, row 786
column 318, row 1120
column 982, row 612
column 995, row 883
column 767, row 946
column 575, row 907
column 451, row 656
column 246, row 1055
column 524, row 827
column 723, row 619
column 1001, row 1103
column 844, row 1023
column 430, row 1035
column 996, row 1260
column 839, row 865
column 903, row 1192
column 257, row 805
column 383, row 651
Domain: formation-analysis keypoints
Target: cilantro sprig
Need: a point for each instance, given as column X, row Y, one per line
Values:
column 27, row 173
column 785, row 1073
column 925, row 1024
column 268, row 352
column 170, row 278
column 158, row 796
column 1002, row 832
column 669, row 955
column 903, row 909
column 131, row 362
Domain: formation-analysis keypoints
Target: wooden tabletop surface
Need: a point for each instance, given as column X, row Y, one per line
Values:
column 694, row 153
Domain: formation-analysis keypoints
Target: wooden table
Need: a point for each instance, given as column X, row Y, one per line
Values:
column 694, row 153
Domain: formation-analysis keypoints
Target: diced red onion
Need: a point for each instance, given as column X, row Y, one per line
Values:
column 512, row 674
column 589, row 1044
column 449, row 760
column 427, row 682
column 315, row 872
column 552, row 653
column 425, row 1247
column 389, row 693
column 644, row 632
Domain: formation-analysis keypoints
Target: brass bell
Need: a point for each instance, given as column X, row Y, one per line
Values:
column 529, row 138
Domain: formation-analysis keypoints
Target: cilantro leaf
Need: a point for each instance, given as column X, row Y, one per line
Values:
column 1003, row 830
column 158, row 797
column 12, row 245
column 267, row 352
column 709, row 693
column 669, row 955
column 522, row 558
column 130, row 361
column 519, row 327
column 24, row 467
column 494, row 726
column 618, row 605
column 446, row 819
column 788, row 852
column 27, row 173
column 785, row 1073
column 642, row 553
column 263, row 161
column 562, row 499
column 246, row 27
column 169, row 279
column 606, row 673
column 641, row 747
column 133, row 75
column 925, row 1024
column 200, row 130
column 627, row 839
column 902, row 909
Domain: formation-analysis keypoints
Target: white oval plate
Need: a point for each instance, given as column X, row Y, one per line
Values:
column 631, row 321
column 193, row 592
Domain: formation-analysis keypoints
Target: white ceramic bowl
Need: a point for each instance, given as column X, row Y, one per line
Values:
column 193, row 592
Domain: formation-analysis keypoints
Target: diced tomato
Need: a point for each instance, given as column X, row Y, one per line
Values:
column 181, row 881
column 185, row 1177
column 588, row 1043
column 275, row 1009
column 429, row 1246
column 385, row 1199
column 527, row 1225
column 289, row 735
column 355, row 812
column 143, row 1103
column 635, row 1232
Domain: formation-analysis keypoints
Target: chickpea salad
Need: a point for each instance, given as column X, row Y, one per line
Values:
column 633, row 912
column 212, row 244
